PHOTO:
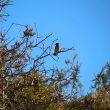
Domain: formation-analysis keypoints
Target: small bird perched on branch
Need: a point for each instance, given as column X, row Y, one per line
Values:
column 57, row 49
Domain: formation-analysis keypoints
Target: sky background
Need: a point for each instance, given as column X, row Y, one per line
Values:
column 84, row 24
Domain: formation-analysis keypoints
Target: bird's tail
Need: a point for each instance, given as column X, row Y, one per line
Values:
column 55, row 54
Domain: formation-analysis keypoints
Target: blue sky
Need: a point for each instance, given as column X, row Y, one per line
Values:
column 84, row 24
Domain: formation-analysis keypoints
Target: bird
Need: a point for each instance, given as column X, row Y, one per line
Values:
column 57, row 49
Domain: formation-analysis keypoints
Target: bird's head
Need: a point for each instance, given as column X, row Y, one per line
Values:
column 57, row 44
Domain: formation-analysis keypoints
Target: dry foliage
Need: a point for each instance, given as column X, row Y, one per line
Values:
column 27, row 84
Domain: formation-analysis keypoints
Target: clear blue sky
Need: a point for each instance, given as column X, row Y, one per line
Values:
column 84, row 24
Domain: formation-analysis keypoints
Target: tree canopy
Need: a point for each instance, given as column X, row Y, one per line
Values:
column 27, row 84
